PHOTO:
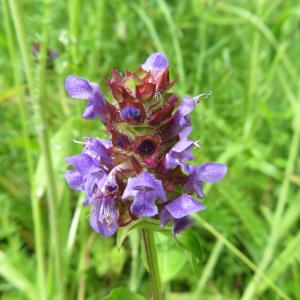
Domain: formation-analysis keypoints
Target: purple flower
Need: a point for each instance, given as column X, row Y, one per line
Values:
column 104, row 215
column 178, row 210
column 80, row 88
column 87, row 176
column 145, row 190
column 100, row 189
column 181, row 124
column 180, row 153
column 83, row 164
column 209, row 172
column 74, row 179
column 93, row 185
column 89, row 166
column 156, row 62
column 98, row 150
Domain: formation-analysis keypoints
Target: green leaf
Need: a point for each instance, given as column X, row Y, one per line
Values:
column 171, row 259
column 111, row 261
column 121, row 294
column 190, row 241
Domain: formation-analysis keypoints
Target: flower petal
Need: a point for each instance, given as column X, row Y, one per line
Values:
column 188, row 104
column 185, row 131
column 144, row 182
column 104, row 216
column 93, row 185
column 211, row 172
column 182, row 224
column 83, row 163
column 165, row 217
column 110, row 185
column 74, row 179
column 155, row 62
column 97, row 150
column 143, row 204
column 182, row 145
column 129, row 190
column 183, row 206
column 195, row 187
column 181, row 123
column 89, row 111
column 179, row 153
column 80, row 88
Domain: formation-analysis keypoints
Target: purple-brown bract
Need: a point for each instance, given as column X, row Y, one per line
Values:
column 142, row 171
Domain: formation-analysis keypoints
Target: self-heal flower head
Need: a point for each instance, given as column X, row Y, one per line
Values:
column 146, row 167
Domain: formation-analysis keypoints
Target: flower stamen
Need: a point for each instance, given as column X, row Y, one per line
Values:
column 202, row 95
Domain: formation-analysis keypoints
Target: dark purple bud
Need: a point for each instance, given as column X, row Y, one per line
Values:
column 131, row 113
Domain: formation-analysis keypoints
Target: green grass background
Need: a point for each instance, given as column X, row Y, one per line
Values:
column 246, row 53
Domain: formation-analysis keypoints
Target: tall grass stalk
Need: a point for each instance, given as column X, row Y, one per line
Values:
column 274, row 235
column 35, row 204
column 209, row 269
column 173, row 32
column 241, row 256
column 35, row 91
column 74, row 17
column 16, row 278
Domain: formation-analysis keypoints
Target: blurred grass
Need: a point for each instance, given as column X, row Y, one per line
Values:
column 247, row 53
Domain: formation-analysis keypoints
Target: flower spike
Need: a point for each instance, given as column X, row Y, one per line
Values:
column 145, row 168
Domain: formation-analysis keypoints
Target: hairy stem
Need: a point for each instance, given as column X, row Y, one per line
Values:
column 149, row 243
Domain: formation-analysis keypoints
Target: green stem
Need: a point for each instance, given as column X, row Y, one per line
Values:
column 135, row 267
column 35, row 93
column 149, row 243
